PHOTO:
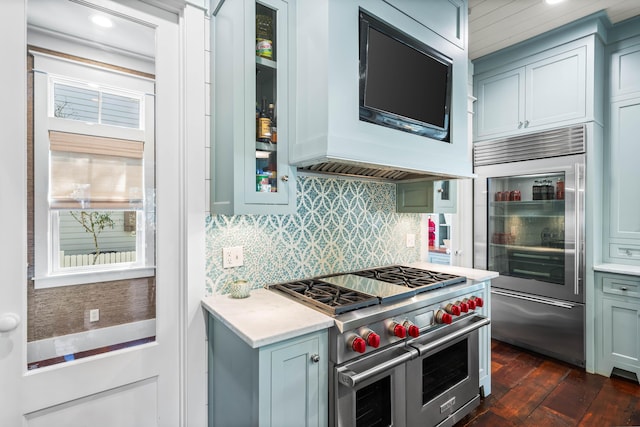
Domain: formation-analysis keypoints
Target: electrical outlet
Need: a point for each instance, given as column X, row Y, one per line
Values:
column 232, row 257
column 411, row 240
column 94, row 315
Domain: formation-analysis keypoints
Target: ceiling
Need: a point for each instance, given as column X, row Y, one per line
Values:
column 493, row 24
column 496, row 24
column 72, row 20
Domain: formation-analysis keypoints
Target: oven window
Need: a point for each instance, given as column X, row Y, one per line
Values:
column 444, row 369
column 373, row 404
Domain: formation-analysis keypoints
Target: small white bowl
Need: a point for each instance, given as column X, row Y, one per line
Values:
column 240, row 289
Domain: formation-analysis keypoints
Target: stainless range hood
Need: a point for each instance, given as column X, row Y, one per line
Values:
column 369, row 172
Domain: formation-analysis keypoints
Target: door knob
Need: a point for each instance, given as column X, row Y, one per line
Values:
column 8, row 322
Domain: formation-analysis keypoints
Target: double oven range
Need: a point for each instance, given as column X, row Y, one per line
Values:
column 404, row 348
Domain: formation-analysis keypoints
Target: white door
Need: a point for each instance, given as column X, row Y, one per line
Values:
column 136, row 386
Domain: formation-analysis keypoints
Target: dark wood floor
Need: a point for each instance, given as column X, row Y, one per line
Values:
column 532, row 390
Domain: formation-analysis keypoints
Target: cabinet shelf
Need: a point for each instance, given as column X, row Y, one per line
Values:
column 526, row 216
column 528, row 203
column 265, row 146
column 266, row 63
column 532, row 249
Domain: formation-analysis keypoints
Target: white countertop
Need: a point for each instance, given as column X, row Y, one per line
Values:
column 265, row 317
column 469, row 273
column 632, row 270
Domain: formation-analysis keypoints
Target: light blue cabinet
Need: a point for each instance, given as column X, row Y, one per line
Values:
column 485, row 343
column 617, row 339
column 551, row 90
column 250, row 172
column 448, row 19
column 278, row 385
column 623, row 173
column 426, row 197
column 294, row 381
column 500, row 103
column 622, row 204
column 439, row 258
column 414, row 197
column 445, row 196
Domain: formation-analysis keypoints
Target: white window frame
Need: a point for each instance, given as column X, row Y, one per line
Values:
column 101, row 89
column 50, row 69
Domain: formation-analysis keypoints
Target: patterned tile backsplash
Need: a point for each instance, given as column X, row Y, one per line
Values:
column 340, row 225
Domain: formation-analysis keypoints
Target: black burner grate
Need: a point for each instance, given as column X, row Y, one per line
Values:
column 328, row 297
column 414, row 278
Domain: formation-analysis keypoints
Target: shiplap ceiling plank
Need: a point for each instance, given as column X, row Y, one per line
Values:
column 496, row 24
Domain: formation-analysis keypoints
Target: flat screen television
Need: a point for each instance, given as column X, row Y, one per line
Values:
column 404, row 84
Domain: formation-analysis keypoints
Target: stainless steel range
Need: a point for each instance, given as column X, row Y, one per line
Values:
column 404, row 349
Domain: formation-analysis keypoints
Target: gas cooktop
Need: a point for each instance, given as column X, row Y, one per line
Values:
column 325, row 296
column 340, row 293
column 414, row 278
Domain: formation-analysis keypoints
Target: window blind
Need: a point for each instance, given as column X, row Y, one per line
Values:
column 92, row 172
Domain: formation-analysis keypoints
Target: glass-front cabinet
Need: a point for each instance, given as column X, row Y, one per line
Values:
column 251, row 80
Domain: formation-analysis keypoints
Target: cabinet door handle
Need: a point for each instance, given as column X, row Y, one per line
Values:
column 285, row 178
column 624, row 288
column 526, row 123
column 519, row 125
column 315, row 358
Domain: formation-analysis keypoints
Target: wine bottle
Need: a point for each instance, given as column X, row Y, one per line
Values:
column 274, row 128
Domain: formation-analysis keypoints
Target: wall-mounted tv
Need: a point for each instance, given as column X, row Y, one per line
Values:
column 404, row 84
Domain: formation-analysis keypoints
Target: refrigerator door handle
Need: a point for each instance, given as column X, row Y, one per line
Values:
column 540, row 300
column 578, row 229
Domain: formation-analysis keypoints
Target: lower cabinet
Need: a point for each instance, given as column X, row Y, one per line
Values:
column 618, row 324
column 439, row 258
column 484, row 344
column 278, row 385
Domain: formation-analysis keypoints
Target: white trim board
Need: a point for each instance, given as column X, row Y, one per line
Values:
column 88, row 340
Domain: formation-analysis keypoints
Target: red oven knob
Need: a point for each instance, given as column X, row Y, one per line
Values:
column 464, row 307
column 398, row 330
column 443, row 317
column 471, row 303
column 373, row 339
column 358, row 345
column 452, row 309
column 479, row 301
column 412, row 330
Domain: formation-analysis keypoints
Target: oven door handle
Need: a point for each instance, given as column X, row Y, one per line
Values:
column 350, row 378
column 476, row 323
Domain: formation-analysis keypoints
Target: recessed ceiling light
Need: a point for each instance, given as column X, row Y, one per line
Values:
column 553, row 1
column 102, row 21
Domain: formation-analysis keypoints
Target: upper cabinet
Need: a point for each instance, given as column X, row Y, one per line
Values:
column 538, row 86
column 448, row 19
column 445, row 196
column 253, row 102
column 426, row 197
column 332, row 68
column 622, row 151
